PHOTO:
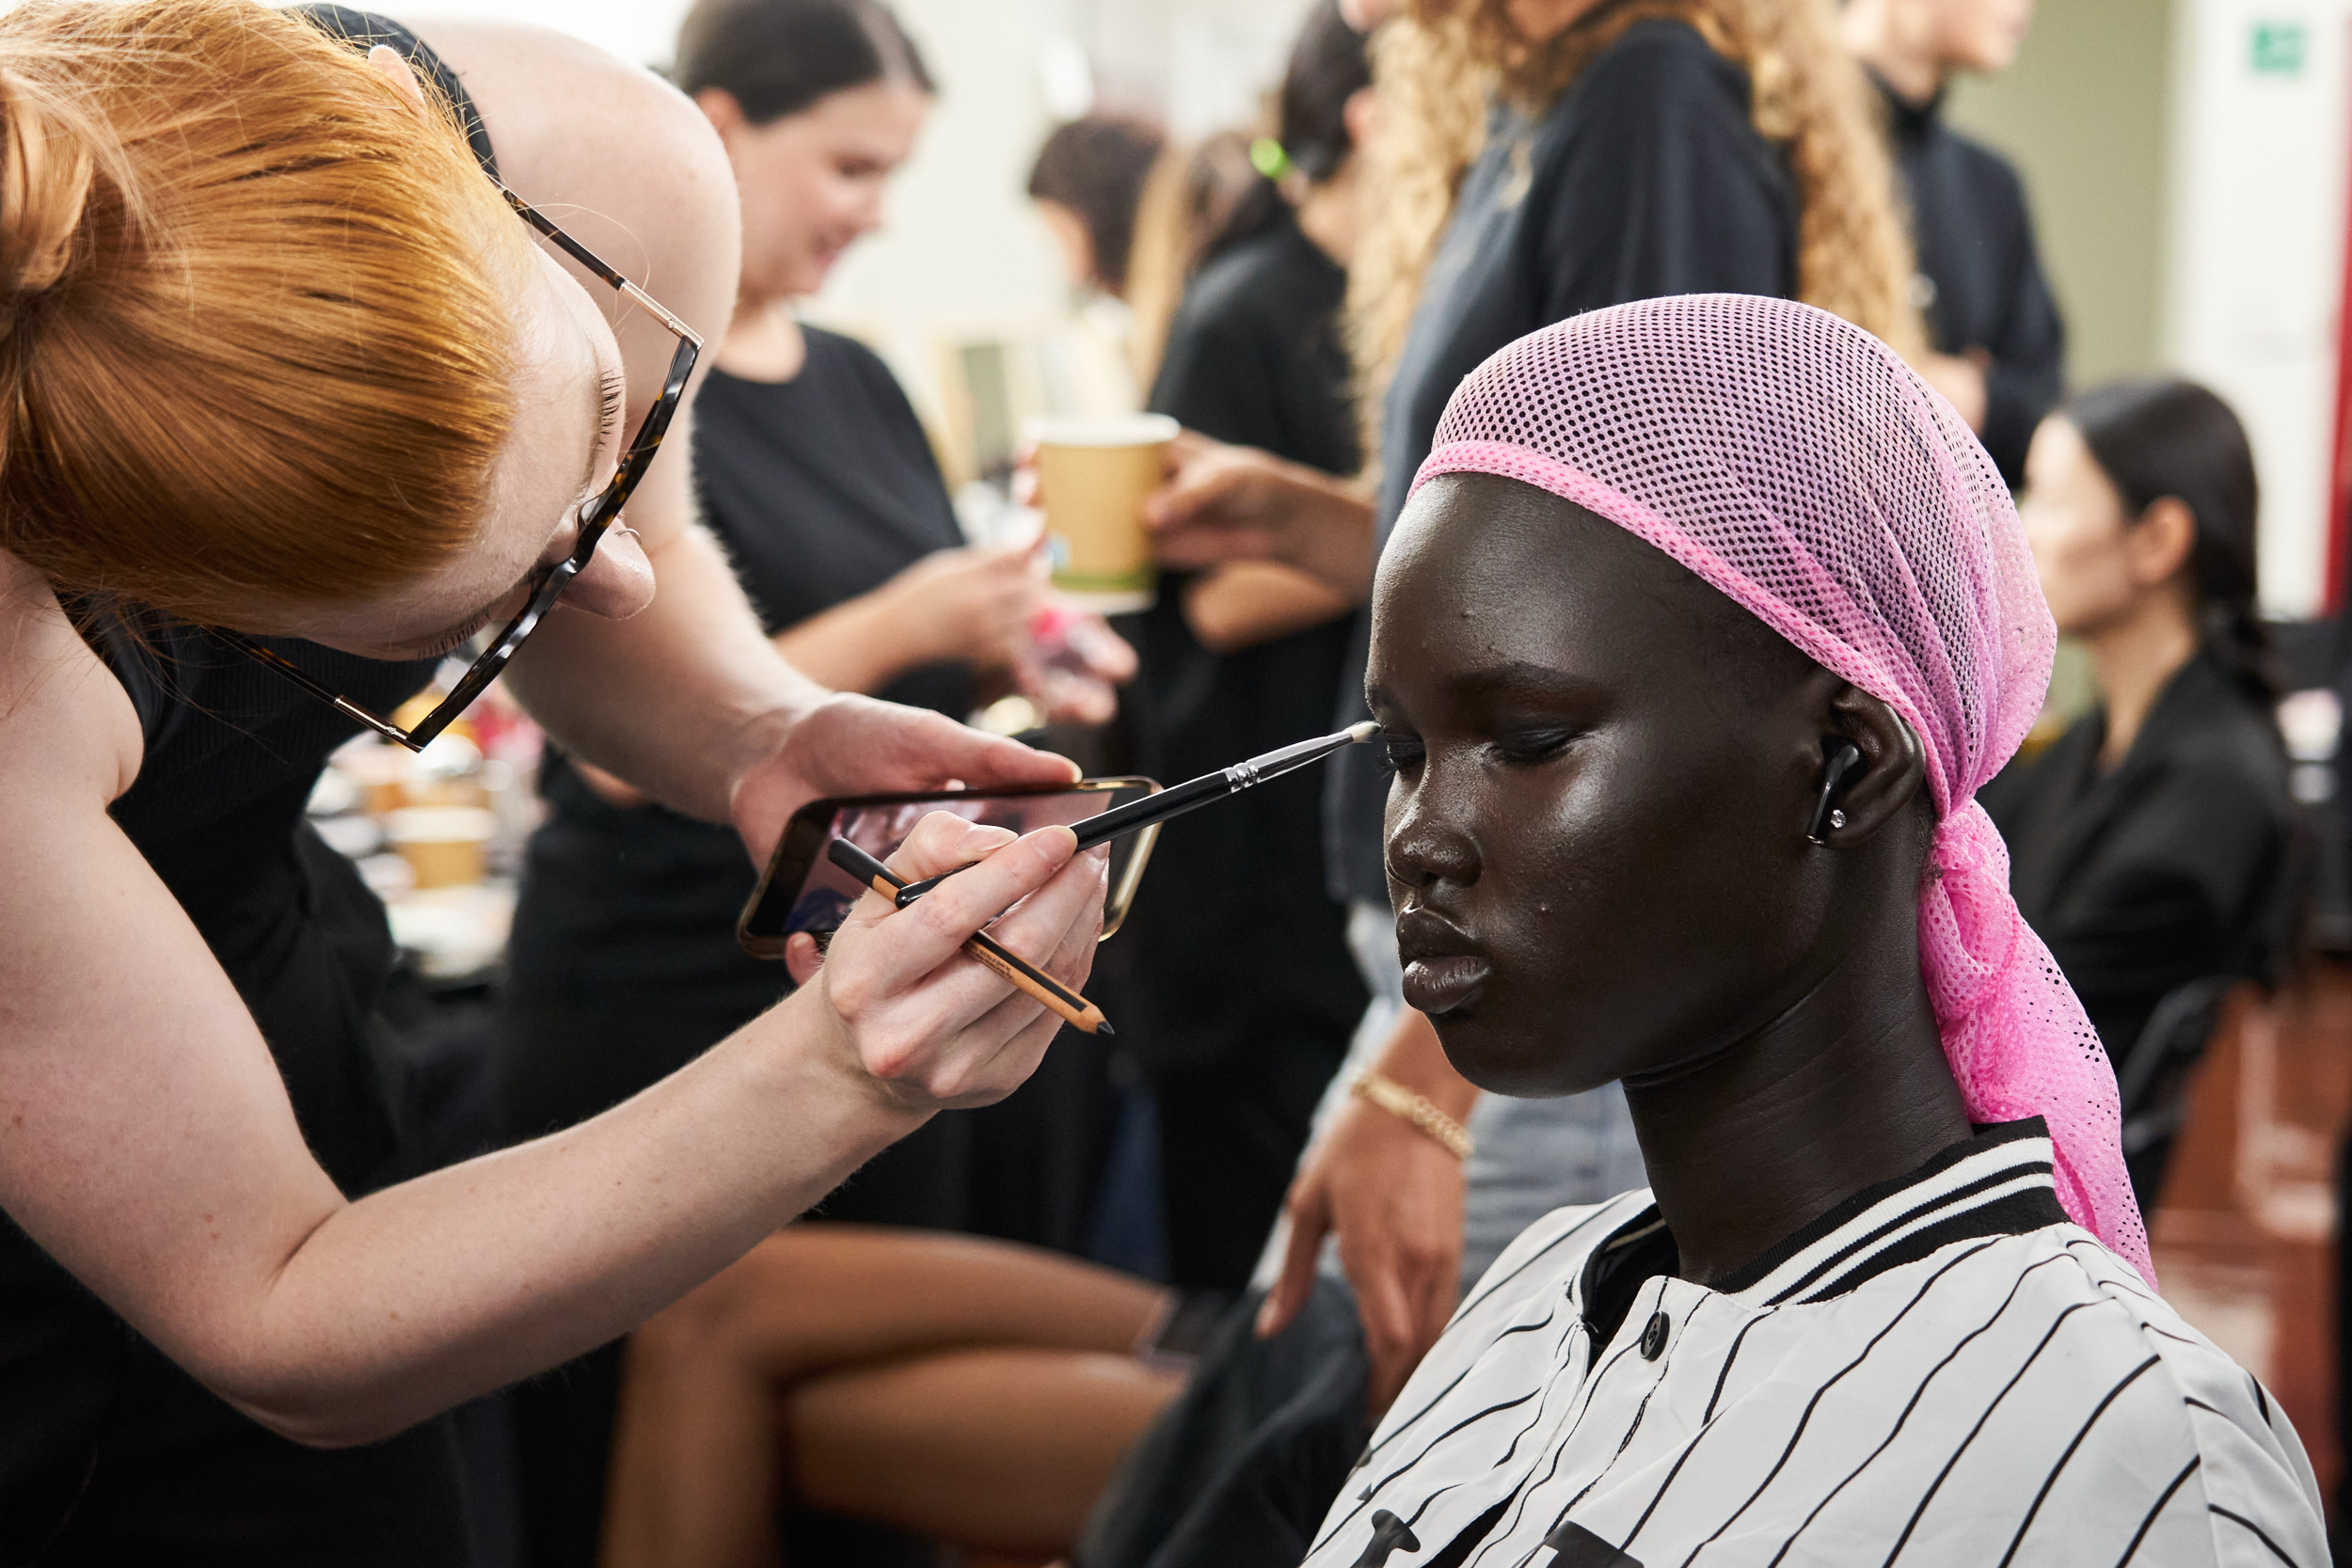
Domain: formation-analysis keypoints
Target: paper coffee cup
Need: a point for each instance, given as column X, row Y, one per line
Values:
column 445, row 846
column 1091, row 477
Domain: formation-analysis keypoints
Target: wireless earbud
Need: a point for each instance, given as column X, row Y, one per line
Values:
column 1839, row 758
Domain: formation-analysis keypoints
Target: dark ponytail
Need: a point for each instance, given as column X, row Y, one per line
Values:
column 1328, row 65
column 2159, row 437
column 776, row 57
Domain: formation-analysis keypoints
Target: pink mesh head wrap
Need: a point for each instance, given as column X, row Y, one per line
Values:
column 1797, row 464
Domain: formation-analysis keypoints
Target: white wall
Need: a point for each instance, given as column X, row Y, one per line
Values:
column 639, row 30
column 2255, row 269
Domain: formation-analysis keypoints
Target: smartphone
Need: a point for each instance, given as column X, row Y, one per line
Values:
column 803, row 891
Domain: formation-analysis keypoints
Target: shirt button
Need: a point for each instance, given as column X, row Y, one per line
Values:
column 1654, row 1336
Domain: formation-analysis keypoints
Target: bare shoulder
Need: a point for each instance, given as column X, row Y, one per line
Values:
column 610, row 149
column 66, row 724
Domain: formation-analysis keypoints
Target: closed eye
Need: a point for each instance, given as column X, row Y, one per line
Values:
column 1524, row 747
column 1401, row 754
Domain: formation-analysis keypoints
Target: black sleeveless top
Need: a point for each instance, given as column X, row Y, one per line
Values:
column 231, row 753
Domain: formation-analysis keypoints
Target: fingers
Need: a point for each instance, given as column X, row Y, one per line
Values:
column 942, row 841
column 801, row 957
column 1383, row 1302
column 1309, row 1221
column 1197, row 489
column 924, row 749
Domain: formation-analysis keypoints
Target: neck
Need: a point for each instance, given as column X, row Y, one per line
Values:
column 2132, row 660
column 1899, row 46
column 763, row 343
column 1847, row 1088
column 1330, row 215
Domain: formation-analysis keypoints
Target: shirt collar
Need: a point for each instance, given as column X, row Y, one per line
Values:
column 1910, row 121
column 1995, row 1183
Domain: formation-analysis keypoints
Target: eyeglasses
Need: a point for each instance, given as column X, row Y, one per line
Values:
column 595, row 518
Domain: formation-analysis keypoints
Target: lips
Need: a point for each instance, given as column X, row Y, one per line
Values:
column 1443, row 972
column 1439, row 986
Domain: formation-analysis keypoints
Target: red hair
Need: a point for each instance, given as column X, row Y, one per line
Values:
column 255, row 333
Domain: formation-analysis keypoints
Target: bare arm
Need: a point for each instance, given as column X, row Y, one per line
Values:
column 970, row 605
column 147, row 1143
column 1245, row 602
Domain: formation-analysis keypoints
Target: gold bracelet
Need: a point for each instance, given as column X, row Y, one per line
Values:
column 1418, row 1109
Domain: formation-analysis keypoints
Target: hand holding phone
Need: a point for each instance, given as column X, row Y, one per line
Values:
column 926, row 1028
column 804, row 892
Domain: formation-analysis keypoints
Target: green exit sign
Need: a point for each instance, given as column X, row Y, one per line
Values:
column 2279, row 48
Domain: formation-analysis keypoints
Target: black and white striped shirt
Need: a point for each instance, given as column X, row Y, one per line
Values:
column 1944, row 1370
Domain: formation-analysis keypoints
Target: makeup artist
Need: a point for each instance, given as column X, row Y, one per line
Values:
column 218, row 1344
column 1238, row 661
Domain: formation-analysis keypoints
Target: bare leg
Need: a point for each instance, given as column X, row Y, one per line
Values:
column 696, row 1470
column 999, row 1450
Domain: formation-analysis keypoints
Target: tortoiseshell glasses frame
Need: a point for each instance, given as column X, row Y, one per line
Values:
column 595, row 517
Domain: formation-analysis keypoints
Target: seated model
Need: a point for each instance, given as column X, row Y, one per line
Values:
column 1706, row 623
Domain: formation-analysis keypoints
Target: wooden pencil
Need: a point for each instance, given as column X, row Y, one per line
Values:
column 1073, row 1009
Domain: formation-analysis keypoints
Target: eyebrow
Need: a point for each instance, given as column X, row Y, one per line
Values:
column 1514, row 677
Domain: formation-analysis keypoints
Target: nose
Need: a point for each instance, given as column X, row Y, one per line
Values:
column 1427, row 844
column 617, row 582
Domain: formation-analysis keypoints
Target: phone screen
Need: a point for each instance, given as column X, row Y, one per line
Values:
column 803, row 891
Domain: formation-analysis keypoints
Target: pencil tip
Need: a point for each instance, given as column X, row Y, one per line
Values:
column 1359, row 733
column 1106, row 1030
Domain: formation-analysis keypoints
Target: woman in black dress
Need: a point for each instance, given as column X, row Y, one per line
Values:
column 816, row 477
column 1236, row 662
column 2148, row 844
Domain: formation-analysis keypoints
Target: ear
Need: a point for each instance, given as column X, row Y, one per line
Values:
column 2160, row 541
column 720, row 107
column 391, row 64
column 1894, row 768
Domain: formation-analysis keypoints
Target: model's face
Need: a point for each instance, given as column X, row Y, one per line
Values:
column 566, row 442
column 1595, row 834
column 2079, row 533
column 1981, row 36
column 811, row 182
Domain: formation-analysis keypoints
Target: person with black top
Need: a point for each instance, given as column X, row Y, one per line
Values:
column 1238, row 661
column 815, row 474
column 2000, row 346
column 2148, row 844
column 307, row 246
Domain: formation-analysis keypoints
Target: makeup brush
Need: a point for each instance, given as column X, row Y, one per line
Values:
column 1189, row 796
column 1074, row 1009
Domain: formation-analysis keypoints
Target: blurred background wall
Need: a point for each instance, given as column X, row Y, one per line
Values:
column 2185, row 159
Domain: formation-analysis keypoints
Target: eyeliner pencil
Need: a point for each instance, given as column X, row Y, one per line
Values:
column 1074, row 1009
column 1189, row 796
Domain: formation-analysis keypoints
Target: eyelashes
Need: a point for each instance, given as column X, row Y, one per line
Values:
column 1525, row 749
column 612, row 397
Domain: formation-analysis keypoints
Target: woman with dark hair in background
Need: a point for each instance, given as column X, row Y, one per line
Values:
column 2000, row 348
column 814, row 471
column 1238, row 661
column 1087, row 182
column 2148, row 844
